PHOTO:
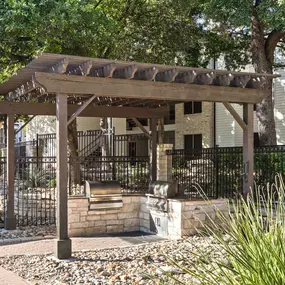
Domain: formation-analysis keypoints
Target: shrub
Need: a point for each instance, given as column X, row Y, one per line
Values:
column 252, row 238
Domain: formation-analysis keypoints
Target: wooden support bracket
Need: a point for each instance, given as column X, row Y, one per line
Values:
column 236, row 116
column 80, row 109
column 141, row 127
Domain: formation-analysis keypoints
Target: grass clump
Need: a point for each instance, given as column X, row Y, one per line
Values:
column 252, row 240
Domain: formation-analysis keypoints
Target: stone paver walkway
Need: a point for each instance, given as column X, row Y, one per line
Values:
column 10, row 278
column 47, row 246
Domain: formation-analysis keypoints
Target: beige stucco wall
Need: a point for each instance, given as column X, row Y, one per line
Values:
column 202, row 123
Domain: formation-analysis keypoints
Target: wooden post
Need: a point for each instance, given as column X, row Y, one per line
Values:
column 160, row 130
column 153, row 149
column 248, row 150
column 10, row 220
column 63, row 243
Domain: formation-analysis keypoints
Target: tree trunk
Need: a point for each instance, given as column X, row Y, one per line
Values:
column 105, row 146
column 74, row 167
column 263, row 62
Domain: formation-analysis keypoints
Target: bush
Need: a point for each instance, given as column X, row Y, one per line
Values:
column 253, row 239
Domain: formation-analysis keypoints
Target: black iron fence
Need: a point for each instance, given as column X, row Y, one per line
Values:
column 218, row 172
column 34, row 190
column 131, row 172
column 35, row 182
column 91, row 143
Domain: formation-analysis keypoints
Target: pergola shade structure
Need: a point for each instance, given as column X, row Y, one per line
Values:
column 78, row 86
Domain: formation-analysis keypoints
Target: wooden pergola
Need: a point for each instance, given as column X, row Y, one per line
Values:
column 78, row 86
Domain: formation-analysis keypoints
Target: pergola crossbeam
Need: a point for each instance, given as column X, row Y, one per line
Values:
column 49, row 109
column 137, row 89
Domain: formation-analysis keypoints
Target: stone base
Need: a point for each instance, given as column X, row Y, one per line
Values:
column 10, row 223
column 63, row 249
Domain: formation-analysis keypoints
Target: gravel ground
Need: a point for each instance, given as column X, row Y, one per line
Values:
column 30, row 231
column 144, row 264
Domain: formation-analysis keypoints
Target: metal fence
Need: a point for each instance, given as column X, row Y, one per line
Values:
column 218, row 171
column 35, row 183
column 131, row 172
column 34, row 190
column 90, row 143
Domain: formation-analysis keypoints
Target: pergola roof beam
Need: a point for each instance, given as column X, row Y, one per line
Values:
column 136, row 89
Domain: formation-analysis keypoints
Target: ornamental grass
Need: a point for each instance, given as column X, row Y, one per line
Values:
column 250, row 242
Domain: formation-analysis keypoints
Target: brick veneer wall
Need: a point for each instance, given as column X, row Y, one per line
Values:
column 201, row 123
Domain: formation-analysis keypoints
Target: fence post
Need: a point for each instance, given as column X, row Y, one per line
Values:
column 217, row 170
column 164, row 163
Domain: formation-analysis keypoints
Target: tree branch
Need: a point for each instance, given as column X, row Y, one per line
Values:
column 271, row 43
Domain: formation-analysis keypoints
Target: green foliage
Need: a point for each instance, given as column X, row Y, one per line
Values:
column 52, row 183
column 252, row 238
column 36, row 177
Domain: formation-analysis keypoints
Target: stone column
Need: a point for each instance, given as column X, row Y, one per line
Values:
column 164, row 163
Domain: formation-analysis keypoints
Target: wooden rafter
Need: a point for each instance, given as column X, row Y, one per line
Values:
column 60, row 67
column 83, row 69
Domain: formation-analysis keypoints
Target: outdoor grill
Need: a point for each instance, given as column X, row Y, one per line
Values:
column 160, row 192
column 157, row 203
column 104, row 195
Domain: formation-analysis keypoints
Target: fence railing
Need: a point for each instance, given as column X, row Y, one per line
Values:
column 219, row 171
column 35, row 182
column 131, row 172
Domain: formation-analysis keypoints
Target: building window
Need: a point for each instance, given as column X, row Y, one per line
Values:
column 256, row 141
column 192, row 108
column 170, row 118
column 192, row 142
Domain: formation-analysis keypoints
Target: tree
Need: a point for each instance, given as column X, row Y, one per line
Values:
column 152, row 31
column 249, row 32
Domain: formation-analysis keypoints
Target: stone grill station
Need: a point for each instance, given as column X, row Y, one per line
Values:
column 164, row 211
column 92, row 87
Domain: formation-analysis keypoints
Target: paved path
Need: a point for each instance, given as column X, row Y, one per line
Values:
column 47, row 246
column 10, row 278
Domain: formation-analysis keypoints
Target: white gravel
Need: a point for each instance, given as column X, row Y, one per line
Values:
column 144, row 264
